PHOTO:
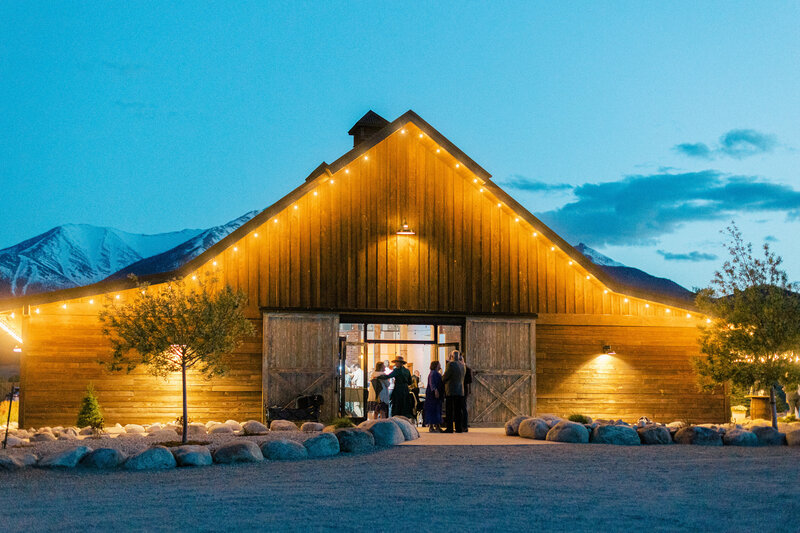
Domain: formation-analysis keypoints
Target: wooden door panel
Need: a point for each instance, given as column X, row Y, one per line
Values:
column 300, row 354
column 501, row 354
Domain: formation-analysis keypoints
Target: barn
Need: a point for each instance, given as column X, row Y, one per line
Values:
column 404, row 245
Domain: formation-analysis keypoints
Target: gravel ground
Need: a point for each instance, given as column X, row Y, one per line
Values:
column 562, row 487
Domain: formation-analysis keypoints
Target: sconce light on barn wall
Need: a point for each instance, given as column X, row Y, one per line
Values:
column 405, row 229
column 608, row 350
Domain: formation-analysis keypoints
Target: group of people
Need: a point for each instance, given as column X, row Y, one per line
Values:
column 449, row 390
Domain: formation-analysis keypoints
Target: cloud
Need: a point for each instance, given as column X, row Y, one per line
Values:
column 770, row 238
column 744, row 143
column 638, row 209
column 699, row 150
column 693, row 256
column 738, row 144
column 523, row 183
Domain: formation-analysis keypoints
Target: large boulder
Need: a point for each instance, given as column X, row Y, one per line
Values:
column 512, row 426
column 699, row 436
column 235, row 426
column 793, row 437
column 195, row 431
column 620, row 435
column 103, row 458
column 68, row 458
column 739, row 437
column 566, row 431
column 10, row 463
column 530, row 428
column 551, row 420
column 43, row 436
column 134, row 428
column 311, row 427
column 654, row 435
column 386, row 433
column 13, row 441
column 282, row 425
column 154, row 427
column 165, row 434
column 284, row 450
column 220, row 429
column 155, row 458
column 355, row 440
column 409, row 431
column 325, row 444
column 768, row 436
column 244, row 451
column 192, row 455
column 254, row 427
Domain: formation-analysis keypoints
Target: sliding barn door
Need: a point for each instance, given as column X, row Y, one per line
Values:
column 300, row 356
column 502, row 355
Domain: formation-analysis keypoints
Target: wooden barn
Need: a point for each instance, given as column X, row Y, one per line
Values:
column 404, row 245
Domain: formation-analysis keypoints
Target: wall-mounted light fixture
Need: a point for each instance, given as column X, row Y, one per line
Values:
column 405, row 229
column 608, row 350
column 17, row 349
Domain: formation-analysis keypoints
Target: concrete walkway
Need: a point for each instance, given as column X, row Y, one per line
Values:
column 474, row 437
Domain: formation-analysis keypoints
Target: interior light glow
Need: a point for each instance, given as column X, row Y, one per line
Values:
column 214, row 263
column 499, row 204
column 17, row 349
column 332, row 182
column 480, row 190
column 535, row 234
column 708, row 321
column 552, row 248
column 605, row 291
column 12, row 315
column 588, row 277
column 516, row 219
column 346, row 171
column 255, row 234
column 570, row 262
column 194, row 278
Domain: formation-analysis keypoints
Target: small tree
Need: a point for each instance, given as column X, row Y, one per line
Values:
column 754, row 332
column 175, row 327
column 90, row 414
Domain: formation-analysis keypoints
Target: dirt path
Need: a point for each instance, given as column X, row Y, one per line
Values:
column 441, row 488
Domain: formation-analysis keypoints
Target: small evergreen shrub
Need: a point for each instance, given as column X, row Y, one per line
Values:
column 342, row 422
column 580, row 419
column 90, row 414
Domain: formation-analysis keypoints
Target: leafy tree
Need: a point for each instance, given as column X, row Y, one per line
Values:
column 90, row 414
column 177, row 326
column 753, row 337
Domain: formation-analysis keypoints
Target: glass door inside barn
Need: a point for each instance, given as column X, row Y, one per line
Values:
column 366, row 349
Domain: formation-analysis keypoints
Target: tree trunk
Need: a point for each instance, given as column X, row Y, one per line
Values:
column 773, row 406
column 185, row 411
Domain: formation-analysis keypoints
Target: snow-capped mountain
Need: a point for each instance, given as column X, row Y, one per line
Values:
column 633, row 276
column 73, row 255
column 184, row 252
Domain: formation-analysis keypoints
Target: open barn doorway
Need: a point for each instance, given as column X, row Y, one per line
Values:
column 363, row 344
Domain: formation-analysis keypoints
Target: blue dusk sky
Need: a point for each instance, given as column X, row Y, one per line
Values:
column 641, row 129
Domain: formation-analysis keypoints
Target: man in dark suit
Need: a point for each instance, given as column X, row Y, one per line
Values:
column 454, row 392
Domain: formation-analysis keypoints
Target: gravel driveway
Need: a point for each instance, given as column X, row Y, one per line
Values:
column 442, row 488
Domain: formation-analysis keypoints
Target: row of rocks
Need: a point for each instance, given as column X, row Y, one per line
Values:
column 159, row 432
column 556, row 429
column 365, row 438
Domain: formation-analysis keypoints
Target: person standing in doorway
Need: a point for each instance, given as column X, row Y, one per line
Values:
column 467, row 391
column 378, row 400
column 434, row 396
column 454, row 392
column 402, row 399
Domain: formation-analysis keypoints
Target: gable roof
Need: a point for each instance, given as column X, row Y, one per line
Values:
column 325, row 170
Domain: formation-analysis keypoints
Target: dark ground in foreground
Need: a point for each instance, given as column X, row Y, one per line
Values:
column 423, row 488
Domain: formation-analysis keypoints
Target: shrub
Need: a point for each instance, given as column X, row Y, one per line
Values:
column 581, row 419
column 342, row 422
column 90, row 414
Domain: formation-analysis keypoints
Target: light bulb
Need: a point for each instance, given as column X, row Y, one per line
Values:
column 37, row 310
column 457, row 165
column 668, row 310
column 64, row 306
column 366, row 157
column 625, row 300
column 534, row 234
column 347, row 171
column 315, row 193
column 588, row 277
column 688, row 315
column 194, row 278
column 570, row 262
column 605, row 291
column 552, row 248
column 235, row 248
column 117, row 296
column 402, row 131
column 420, row 136
column 516, row 219
column 438, row 150
column 647, row 305
column 295, row 206
column 499, row 204
column 255, row 234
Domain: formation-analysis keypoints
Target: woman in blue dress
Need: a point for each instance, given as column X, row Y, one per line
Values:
column 434, row 395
